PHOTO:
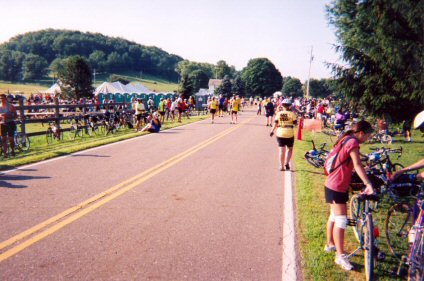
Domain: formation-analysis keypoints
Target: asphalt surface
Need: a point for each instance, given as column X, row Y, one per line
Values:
column 212, row 211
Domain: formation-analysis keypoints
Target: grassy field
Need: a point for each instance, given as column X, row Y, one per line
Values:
column 40, row 150
column 313, row 214
column 151, row 82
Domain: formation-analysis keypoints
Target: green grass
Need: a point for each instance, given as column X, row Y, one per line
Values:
column 27, row 87
column 21, row 87
column 313, row 213
column 40, row 150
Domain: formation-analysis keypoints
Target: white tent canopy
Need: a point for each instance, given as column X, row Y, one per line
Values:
column 54, row 89
column 119, row 88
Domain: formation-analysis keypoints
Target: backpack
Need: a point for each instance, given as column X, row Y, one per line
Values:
column 332, row 156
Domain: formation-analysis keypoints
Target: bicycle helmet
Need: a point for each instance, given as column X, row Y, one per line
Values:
column 287, row 101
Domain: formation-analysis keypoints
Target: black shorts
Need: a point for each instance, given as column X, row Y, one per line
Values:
column 180, row 110
column 162, row 113
column 282, row 142
column 332, row 196
column 213, row 111
column 8, row 129
column 269, row 114
column 221, row 107
column 139, row 117
column 234, row 112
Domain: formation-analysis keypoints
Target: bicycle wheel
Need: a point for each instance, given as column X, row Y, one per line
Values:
column 369, row 247
column 49, row 136
column 22, row 141
column 89, row 130
column 398, row 222
column 416, row 261
column 80, row 132
column 386, row 139
column 313, row 160
column 356, row 210
column 72, row 133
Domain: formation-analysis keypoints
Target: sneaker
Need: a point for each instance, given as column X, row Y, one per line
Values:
column 287, row 167
column 329, row 249
column 343, row 261
column 281, row 168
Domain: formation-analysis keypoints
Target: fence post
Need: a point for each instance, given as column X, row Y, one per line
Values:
column 22, row 114
column 56, row 112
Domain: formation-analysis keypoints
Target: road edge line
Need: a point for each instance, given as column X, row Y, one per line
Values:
column 289, row 268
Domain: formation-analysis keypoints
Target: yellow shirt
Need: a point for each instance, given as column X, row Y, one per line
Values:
column 235, row 105
column 214, row 104
column 285, row 124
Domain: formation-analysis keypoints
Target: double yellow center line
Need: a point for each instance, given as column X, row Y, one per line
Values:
column 45, row 228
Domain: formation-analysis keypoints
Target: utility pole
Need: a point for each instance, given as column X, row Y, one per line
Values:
column 309, row 74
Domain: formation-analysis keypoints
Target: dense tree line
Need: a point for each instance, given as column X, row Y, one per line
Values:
column 31, row 55
column 383, row 44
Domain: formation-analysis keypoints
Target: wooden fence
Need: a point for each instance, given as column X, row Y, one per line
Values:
column 57, row 115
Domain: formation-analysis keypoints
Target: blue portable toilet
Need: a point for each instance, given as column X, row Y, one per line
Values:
column 142, row 96
column 158, row 97
column 109, row 96
column 101, row 97
column 126, row 98
column 118, row 97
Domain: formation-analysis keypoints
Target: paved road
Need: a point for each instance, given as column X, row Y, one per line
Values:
column 199, row 202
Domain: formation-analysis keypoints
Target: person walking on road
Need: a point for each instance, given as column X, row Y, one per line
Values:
column 284, row 124
column 213, row 105
column 345, row 155
column 235, row 106
column 7, row 125
column 269, row 112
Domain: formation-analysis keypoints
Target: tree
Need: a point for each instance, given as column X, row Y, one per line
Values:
column 225, row 89
column 56, row 66
column 76, row 78
column 319, row 88
column 383, row 45
column 199, row 79
column 186, row 86
column 10, row 64
column 97, row 60
column 222, row 69
column 238, row 86
column 292, row 87
column 261, row 78
column 34, row 67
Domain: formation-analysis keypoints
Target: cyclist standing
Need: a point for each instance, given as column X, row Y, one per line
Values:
column 337, row 185
column 285, row 121
column 7, row 124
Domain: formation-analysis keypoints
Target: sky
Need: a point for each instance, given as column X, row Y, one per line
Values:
column 198, row 30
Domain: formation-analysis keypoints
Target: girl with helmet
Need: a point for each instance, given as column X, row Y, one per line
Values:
column 284, row 124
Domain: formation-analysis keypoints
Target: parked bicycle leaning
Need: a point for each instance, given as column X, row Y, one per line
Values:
column 339, row 165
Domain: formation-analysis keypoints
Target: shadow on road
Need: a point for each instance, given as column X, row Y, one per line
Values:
column 5, row 180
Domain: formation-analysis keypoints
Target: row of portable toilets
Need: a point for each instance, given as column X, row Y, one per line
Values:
column 126, row 97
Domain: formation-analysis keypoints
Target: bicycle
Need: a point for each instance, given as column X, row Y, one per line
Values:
column 76, row 129
column 416, row 253
column 382, row 137
column 399, row 219
column 53, row 132
column 367, row 233
column 317, row 157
